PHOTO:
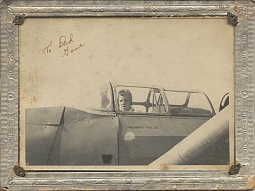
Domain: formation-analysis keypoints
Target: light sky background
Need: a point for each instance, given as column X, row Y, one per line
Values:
column 175, row 53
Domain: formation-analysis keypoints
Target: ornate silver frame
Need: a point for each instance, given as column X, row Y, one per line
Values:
column 241, row 176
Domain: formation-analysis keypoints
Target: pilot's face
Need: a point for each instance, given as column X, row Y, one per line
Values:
column 124, row 103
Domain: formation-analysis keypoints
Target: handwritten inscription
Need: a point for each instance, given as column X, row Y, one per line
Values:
column 47, row 48
column 67, row 52
column 65, row 43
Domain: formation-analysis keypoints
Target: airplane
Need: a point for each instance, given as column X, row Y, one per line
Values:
column 156, row 126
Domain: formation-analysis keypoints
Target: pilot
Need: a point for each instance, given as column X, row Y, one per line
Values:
column 125, row 100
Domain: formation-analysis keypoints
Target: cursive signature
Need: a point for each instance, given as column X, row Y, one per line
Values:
column 64, row 41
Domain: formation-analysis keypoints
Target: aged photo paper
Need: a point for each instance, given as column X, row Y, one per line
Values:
column 166, row 101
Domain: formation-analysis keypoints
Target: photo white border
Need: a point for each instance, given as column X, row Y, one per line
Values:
column 149, row 180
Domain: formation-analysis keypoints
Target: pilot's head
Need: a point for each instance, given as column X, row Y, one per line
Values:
column 124, row 99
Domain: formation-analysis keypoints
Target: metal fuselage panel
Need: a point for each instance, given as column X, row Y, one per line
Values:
column 76, row 138
column 41, row 128
column 142, row 139
column 39, row 142
column 89, row 142
column 83, row 138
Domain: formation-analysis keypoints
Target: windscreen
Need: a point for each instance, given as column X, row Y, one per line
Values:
column 101, row 98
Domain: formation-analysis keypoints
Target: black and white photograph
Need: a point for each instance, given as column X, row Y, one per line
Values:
column 131, row 93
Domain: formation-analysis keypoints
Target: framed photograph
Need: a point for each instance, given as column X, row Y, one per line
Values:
column 127, row 95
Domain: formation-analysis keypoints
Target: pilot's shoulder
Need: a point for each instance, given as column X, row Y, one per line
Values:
column 131, row 109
